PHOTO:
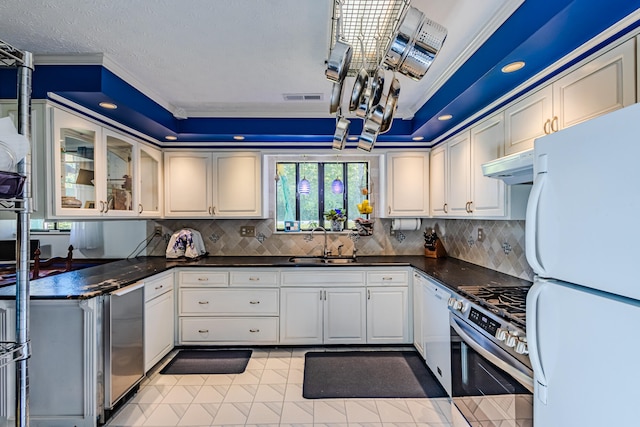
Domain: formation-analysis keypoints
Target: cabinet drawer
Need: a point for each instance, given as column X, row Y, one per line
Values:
column 204, row 278
column 323, row 277
column 237, row 329
column 254, row 278
column 154, row 286
column 387, row 277
column 229, row 301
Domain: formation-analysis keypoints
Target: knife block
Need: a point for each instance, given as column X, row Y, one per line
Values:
column 438, row 252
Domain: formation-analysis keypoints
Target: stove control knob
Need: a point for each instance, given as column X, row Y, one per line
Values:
column 521, row 346
column 512, row 339
column 456, row 304
column 501, row 334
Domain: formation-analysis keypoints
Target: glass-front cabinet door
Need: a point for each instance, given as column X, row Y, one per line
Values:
column 120, row 181
column 150, row 182
column 77, row 166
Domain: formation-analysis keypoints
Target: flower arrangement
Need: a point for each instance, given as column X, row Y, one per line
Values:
column 336, row 215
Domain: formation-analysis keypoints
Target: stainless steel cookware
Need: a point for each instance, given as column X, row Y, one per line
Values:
column 340, row 56
column 341, row 133
column 382, row 114
column 336, row 96
column 360, row 84
column 415, row 45
column 369, row 134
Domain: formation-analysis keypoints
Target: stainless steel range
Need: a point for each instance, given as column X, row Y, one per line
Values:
column 492, row 378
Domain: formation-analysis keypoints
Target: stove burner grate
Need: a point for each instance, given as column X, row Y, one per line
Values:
column 507, row 302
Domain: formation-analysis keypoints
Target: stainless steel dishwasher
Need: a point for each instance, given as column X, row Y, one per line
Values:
column 124, row 336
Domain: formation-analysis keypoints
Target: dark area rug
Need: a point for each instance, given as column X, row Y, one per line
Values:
column 368, row 374
column 208, row 362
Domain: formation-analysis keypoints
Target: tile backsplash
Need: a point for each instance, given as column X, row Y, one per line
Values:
column 502, row 248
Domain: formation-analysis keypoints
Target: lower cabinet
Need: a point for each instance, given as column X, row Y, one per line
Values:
column 323, row 315
column 388, row 315
column 159, row 315
column 219, row 307
column 436, row 334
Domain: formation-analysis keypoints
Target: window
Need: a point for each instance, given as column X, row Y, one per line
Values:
column 42, row 225
column 336, row 185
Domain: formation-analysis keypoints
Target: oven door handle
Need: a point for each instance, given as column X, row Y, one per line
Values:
column 520, row 376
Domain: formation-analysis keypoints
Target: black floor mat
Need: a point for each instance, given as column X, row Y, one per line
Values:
column 208, row 362
column 368, row 374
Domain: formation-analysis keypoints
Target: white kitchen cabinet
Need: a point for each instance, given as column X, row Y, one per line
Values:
column 436, row 334
column 150, row 182
column 323, row 305
column 213, row 185
column 222, row 306
column 470, row 193
column 418, row 308
column 98, row 172
column 388, row 311
column 159, row 315
column 313, row 315
column 439, row 180
column 602, row 85
column 405, row 185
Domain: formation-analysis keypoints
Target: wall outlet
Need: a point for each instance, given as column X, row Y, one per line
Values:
column 157, row 231
column 247, row 231
column 480, row 235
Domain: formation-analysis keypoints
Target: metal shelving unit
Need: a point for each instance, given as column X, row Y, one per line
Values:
column 18, row 351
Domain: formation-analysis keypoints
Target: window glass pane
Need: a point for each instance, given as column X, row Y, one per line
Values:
column 333, row 197
column 285, row 194
column 358, row 190
column 309, row 203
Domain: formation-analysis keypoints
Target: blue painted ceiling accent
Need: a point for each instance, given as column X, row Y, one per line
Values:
column 540, row 32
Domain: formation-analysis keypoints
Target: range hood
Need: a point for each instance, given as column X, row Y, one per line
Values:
column 513, row 169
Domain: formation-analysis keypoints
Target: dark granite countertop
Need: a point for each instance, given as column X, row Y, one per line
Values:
column 105, row 278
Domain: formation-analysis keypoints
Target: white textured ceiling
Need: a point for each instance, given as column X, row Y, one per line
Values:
column 214, row 58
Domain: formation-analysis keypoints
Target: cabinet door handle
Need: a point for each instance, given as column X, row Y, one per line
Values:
column 254, row 302
column 547, row 127
column 445, row 208
column 254, row 330
column 203, row 302
column 101, row 206
column 210, row 211
column 554, row 124
column 140, row 208
column 254, row 279
column 325, row 295
column 470, row 208
column 203, row 331
column 320, row 295
column 203, row 279
column 214, row 210
column 106, row 207
column 368, row 294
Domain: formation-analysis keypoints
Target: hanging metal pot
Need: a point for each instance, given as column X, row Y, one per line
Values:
column 340, row 56
column 409, row 25
column 360, row 84
column 382, row 114
column 341, row 133
column 370, row 131
column 336, row 97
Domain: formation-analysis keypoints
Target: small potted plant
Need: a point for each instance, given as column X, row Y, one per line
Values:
column 337, row 218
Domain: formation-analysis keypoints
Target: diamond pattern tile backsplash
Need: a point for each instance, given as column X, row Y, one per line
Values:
column 502, row 248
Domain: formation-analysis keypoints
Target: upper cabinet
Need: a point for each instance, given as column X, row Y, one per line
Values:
column 605, row 84
column 101, row 173
column 458, row 187
column 405, row 185
column 213, row 185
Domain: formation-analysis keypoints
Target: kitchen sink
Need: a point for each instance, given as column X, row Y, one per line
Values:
column 321, row 260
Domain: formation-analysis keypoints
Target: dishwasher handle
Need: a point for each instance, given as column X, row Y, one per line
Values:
column 127, row 289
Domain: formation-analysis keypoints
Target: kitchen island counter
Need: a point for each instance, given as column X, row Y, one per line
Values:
column 101, row 279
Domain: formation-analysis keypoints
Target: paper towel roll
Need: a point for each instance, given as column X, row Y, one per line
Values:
column 410, row 224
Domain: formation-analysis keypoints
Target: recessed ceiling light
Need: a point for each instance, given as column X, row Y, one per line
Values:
column 108, row 105
column 445, row 117
column 514, row 66
column 418, row 138
column 170, row 138
column 353, row 138
column 239, row 138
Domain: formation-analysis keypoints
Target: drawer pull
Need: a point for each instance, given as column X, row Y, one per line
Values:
column 203, row 279
column 387, row 278
column 254, row 279
column 158, row 287
column 254, row 330
column 203, row 331
column 203, row 302
column 254, row 302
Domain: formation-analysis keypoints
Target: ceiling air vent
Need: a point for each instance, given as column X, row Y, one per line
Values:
column 302, row 96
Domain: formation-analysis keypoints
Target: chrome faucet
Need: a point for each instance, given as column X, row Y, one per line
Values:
column 325, row 250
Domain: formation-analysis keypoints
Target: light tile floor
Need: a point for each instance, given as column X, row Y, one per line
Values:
column 268, row 393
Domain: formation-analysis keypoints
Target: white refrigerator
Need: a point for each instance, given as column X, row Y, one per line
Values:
column 583, row 243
